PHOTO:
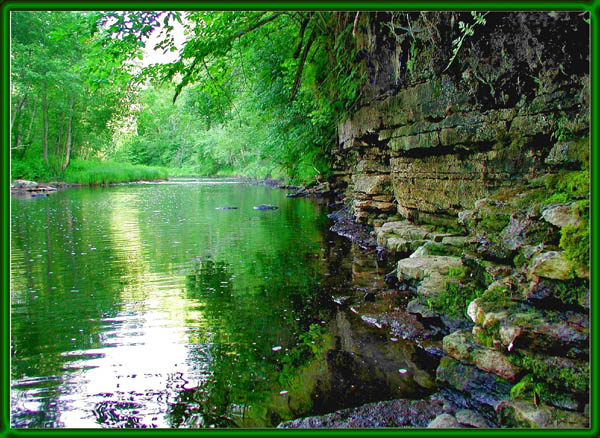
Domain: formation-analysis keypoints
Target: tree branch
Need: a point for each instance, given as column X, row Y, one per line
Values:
column 298, row 78
column 301, row 36
column 257, row 25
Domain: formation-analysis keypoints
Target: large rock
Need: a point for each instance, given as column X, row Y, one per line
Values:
column 566, row 153
column 551, row 264
column 471, row 418
column 460, row 345
column 561, row 215
column 418, row 268
column 374, row 206
column 444, row 421
column 394, row 413
column 372, row 184
column 22, row 184
column 429, row 271
column 521, row 413
column 525, row 230
column 525, row 327
column 480, row 388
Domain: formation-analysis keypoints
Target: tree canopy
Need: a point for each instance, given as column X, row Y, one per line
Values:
column 253, row 93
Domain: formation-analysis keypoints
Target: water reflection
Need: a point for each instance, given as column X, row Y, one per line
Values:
column 143, row 306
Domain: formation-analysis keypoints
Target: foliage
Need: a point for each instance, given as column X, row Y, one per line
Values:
column 246, row 100
column 466, row 29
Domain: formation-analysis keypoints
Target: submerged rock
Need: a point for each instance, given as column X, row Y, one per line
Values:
column 394, row 413
column 226, row 208
column 265, row 207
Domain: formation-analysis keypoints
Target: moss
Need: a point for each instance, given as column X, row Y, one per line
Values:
column 519, row 260
column 488, row 335
column 557, row 198
column 525, row 387
column 443, row 250
column 575, row 239
column 570, row 291
column 446, row 228
column 574, row 184
column 459, row 272
column 548, row 373
column 495, row 297
column 455, row 299
column 494, row 222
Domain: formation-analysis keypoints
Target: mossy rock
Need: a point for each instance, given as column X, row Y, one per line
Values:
column 526, row 414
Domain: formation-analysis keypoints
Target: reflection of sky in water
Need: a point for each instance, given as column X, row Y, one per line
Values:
column 101, row 307
column 143, row 347
column 131, row 369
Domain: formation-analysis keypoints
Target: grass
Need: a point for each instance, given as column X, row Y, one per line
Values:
column 86, row 172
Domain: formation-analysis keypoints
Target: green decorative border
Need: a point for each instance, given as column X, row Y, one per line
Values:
column 592, row 6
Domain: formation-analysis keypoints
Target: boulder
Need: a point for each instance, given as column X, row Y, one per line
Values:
column 561, row 215
column 521, row 413
column 523, row 229
column 444, row 421
column 482, row 389
column 370, row 205
column 565, row 153
column 460, row 345
column 551, row 264
column 22, row 184
column 418, row 268
column 525, row 327
column 393, row 413
column 470, row 418
column 371, row 184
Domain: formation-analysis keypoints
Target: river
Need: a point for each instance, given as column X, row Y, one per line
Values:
column 146, row 306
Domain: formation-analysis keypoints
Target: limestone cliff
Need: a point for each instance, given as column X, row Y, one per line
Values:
column 469, row 154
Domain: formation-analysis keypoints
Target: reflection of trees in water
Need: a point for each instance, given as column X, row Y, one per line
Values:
column 275, row 306
column 53, row 283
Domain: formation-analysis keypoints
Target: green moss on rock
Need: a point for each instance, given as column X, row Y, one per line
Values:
column 575, row 239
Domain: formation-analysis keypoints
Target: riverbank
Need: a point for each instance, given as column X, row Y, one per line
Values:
column 508, row 338
column 85, row 173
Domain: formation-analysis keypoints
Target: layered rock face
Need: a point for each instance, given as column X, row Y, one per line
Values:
column 428, row 142
column 472, row 166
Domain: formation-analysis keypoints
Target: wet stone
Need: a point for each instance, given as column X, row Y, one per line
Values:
column 470, row 418
column 481, row 389
column 394, row 413
column 444, row 421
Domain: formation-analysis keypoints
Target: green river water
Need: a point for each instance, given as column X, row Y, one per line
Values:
column 145, row 306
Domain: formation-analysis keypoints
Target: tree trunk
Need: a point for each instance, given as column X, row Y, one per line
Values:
column 45, row 123
column 17, row 111
column 69, row 134
column 29, row 136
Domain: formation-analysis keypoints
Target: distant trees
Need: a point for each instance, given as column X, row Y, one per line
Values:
column 59, row 106
column 254, row 93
